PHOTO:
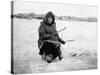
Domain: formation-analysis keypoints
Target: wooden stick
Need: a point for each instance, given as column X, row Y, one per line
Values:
column 69, row 40
column 60, row 30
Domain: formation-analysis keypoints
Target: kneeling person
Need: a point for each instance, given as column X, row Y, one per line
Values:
column 46, row 30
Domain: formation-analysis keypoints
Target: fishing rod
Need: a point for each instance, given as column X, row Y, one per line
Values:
column 59, row 30
column 62, row 30
column 69, row 40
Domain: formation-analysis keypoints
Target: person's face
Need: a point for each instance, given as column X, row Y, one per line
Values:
column 50, row 20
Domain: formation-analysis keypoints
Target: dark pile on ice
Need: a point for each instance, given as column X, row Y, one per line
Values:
column 81, row 52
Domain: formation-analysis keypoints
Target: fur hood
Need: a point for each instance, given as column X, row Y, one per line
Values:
column 45, row 20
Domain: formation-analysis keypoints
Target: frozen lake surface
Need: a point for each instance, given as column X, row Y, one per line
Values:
column 81, row 54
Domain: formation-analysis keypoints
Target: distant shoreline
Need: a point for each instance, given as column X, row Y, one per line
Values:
column 63, row 18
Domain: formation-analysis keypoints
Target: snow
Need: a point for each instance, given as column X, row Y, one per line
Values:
column 81, row 54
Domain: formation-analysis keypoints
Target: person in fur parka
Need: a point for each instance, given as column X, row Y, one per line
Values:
column 47, row 29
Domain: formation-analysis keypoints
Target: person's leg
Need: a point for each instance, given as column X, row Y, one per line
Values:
column 41, row 52
column 59, row 53
column 43, row 48
column 43, row 56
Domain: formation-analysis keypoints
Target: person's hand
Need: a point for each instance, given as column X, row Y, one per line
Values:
column 63, row 42
column 49, row 36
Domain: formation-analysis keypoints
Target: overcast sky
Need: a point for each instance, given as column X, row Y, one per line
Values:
column 57, row 9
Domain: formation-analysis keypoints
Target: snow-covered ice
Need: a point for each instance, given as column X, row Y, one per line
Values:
column 81, row 54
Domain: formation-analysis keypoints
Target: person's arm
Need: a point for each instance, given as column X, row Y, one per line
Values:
column 59, row 39
column 42, row 33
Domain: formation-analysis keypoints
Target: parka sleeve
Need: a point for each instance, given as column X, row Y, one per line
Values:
column 57, row 35
column 42, row 33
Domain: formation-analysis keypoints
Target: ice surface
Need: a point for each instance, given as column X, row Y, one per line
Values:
column 81, row 54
